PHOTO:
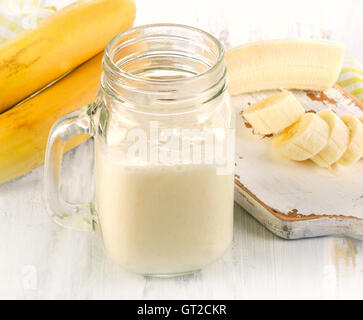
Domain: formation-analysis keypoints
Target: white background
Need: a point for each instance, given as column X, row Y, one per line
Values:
column 39, row 259
column 248, row 20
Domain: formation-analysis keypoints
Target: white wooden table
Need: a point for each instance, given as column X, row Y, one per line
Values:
column 39, row 259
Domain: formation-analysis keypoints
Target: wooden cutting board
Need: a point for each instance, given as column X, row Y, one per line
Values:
column 298, row 199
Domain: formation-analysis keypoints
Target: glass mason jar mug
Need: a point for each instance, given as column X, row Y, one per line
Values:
column 163, row 131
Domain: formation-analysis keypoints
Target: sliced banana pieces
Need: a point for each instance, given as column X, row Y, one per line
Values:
column 323, row 138
column 338, row 140
column 354, row 151
column 284, row 64
column 274, row 114
column 311, row 64
column 304, row 139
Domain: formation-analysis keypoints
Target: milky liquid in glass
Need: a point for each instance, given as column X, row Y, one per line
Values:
column 163, row 219
column 160, row 218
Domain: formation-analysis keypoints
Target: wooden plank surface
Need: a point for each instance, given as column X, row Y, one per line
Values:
column 39, row 259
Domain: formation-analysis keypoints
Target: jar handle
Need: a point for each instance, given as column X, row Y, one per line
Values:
column 76, row 216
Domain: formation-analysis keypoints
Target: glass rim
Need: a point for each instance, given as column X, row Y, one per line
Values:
column 109, row 61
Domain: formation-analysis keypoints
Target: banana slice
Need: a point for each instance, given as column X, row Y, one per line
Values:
column 338, row 140
column 284, row 64
column 304, row 139
column 355, row 149
column 274, row 114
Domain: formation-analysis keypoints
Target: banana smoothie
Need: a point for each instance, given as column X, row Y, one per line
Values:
column 158, row 219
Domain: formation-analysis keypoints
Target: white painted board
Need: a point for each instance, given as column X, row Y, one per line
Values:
column 298, row 193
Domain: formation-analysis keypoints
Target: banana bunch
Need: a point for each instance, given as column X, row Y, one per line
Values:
column 323, row 138
column 67, row 46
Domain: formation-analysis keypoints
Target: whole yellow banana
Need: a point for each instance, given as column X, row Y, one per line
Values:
column 59, row 44
column 24, row 129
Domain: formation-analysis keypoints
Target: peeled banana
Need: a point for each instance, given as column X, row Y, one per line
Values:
column 338, row 140
column 354, row 151
column 274, row 114
column 304, row 139
column 284, row 64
